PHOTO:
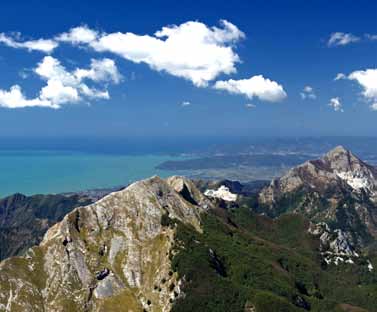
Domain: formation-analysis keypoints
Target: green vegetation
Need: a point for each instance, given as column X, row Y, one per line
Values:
column 243, row 261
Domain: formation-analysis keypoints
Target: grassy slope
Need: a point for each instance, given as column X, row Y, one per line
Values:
column 271, row 265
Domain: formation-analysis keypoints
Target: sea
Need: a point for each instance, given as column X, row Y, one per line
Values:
column 58, row 171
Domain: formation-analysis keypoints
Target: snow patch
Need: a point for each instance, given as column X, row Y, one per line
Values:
column 354, row 180
column 222, row 192
column 370, row 266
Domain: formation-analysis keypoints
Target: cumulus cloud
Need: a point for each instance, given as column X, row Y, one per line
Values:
column 191, row 50
column 185, row 103
column 100, row 70
column 336, row 104
column 42, row 45
column 341, row 39
column 14, row 99
column 367, row 79
column 256, row 86
column 78, row 35
column 62, row 86
column 308, row 93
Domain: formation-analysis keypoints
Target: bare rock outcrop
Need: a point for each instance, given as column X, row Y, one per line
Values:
column 338, row 189
column 107, row 256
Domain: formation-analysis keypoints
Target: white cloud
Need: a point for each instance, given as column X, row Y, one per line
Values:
column 185, row 103
column 62, row 86
column 15, row 99
column 341, row 39
column 100, row 70
column 256, row 86
column 373, row 106
column 336, row 104
column 249, row 105
column 43, row 45
column 50, row 68
column 340, row 76
column 191, row 50
column 78, row 35
column 57, row 93
column 367, row 80
column 308, row 93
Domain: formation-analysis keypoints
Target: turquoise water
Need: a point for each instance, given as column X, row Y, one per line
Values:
column 33, row 172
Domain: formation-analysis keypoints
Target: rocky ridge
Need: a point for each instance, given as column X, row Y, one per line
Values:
column 107, row 255
column 25, row 219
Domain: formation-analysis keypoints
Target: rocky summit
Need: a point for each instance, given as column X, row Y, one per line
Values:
column 338, row 190
column 108, row 255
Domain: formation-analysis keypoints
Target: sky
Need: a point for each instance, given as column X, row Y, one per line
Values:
column 187, row 68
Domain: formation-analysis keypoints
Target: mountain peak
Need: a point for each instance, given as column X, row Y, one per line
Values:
column 338, row 150
column 340, row 154
column 338, row 188
column 350, row 168
column 117, row 246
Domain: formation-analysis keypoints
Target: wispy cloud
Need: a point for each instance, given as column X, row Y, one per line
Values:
column 371, row 37
column 341, row 39
column 250, row 105
column 308, row 93
column 340, row 76
column 42, row 45
column 185, row 103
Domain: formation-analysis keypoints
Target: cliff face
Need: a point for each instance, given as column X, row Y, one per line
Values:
column 25, row 219
column 108, row 256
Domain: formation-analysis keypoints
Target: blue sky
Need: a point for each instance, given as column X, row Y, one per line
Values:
column 269, row 69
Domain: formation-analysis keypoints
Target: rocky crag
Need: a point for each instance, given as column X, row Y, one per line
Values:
column 338, row 193
column 106, row 256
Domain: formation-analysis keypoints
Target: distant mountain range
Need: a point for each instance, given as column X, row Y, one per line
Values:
column 304, row 242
